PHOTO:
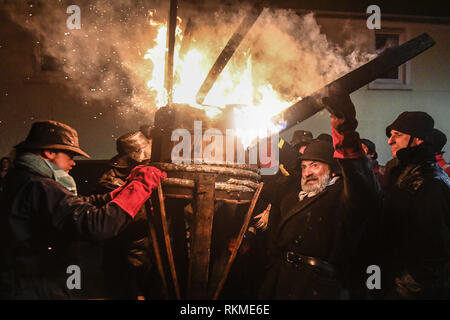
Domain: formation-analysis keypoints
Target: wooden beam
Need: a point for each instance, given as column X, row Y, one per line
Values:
column 201, row 237
column 238, row 241
column 227, row 52
column 389, row 59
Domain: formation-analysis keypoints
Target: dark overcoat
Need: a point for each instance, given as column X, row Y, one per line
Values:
column 414, row 253
column 328, row 227
column 40, row 221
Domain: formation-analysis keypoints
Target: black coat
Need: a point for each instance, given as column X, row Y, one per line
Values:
column 416, row 226
column 127, row 263
column 40, row 221
column 327, row 226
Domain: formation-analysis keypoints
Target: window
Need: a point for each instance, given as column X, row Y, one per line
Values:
column 397, row 79
column 46, row 68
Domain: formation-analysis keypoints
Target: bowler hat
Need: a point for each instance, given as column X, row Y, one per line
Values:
column 418, row 124
column 438, row 139
column 301, row 137
column 319, row 150
column 49, row 134
column 132, row 148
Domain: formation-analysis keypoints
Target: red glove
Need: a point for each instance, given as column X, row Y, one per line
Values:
column 141, row 182
column 341, row 107
column 116, row 191
column 346, row 142
column 133, row 174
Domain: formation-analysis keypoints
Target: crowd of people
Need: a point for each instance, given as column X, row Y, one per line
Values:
column 331, row 212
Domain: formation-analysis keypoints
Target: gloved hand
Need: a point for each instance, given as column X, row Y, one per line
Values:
column 138, row 188
column 346, row 140
column 137, row 171
column 116, row 191
column 343, row 113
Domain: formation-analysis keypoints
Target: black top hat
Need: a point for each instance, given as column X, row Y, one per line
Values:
column 325, row 137
column 371, row 146
column 301, row 137
column 322, row 151
column 438, row 139
column 418, row 124
column 49, row 134
column 132, row 148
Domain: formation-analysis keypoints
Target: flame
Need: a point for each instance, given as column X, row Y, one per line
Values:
column 254, row 116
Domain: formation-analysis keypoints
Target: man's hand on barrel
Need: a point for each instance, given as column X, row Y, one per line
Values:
column 138, row 188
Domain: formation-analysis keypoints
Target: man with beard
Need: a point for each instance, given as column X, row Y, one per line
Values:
column 314, row 243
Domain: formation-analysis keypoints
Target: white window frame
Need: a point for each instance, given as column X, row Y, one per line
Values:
column 403, row 82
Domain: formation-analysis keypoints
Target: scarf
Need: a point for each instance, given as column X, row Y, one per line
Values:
column 47, row 169
column 303, row 194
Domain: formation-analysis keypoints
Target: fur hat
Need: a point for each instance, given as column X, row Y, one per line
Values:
column 418, row 124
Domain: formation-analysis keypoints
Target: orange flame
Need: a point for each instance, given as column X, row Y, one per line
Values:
column 235, row 85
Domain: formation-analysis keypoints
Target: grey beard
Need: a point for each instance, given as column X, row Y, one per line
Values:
column 318, row 187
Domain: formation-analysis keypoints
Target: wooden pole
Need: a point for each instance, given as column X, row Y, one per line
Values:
column 171, row 49
column 155, row 243
column 389, row 59
column 167, row 241
column 229, row 50
column 238, row 241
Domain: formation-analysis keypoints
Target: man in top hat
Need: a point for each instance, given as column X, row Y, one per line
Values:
column 127, row 264
column 325, row 137
column 371, row 153
column 439, row 139
column 301, row 139
column 416, row 214
column 42, row 214
column 319, row 220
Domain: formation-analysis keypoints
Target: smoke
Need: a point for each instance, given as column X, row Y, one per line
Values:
column 105, row 58
column 292, row 53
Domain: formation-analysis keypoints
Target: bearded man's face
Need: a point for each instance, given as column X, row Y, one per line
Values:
column 315, row 176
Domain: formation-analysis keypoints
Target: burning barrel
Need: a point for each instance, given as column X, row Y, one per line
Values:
column 189, row 197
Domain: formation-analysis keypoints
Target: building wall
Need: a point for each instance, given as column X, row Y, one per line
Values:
column 376, row 109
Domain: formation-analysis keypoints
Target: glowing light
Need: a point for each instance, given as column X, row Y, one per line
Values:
column 234, row 85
